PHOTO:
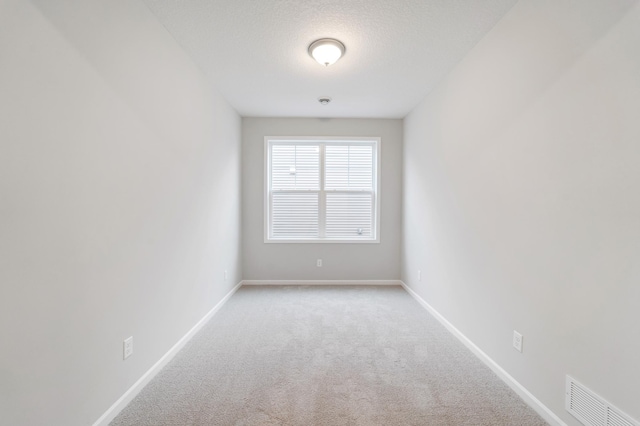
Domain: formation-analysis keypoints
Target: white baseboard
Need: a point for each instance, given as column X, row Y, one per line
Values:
column 126, row 398
column 321, row 282
column 527, row 396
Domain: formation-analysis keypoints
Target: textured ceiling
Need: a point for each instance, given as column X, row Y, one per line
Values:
column 255, row 51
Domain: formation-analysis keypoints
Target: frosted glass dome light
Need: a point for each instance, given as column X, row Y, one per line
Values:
column 326, row 51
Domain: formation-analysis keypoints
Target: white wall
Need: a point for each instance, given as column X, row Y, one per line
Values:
column 522, row 197
column 262, row 261
column 119, row 203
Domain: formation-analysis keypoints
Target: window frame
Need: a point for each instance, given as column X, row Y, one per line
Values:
column 376, row 141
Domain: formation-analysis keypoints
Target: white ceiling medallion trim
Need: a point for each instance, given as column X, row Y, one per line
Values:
column 326, row 51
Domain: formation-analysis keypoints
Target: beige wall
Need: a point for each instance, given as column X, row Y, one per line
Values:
column 119, row 203
column 521, row 198
column 269, row 261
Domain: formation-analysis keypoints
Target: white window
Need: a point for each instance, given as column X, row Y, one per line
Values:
column 321, row 189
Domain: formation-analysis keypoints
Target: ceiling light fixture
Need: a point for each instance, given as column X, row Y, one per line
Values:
column 326, row 51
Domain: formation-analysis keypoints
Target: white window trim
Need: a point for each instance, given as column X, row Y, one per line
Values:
column 321, row 139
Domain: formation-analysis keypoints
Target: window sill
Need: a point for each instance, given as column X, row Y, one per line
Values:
column 270, row 241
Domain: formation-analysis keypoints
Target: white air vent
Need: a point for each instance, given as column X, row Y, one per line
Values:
column 591, row 409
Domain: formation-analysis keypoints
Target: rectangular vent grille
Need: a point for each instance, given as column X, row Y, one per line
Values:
column 615, row 419
column 591, row 409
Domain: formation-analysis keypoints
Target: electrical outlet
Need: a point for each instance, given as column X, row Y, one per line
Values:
column 319, row 263
column 127, row 347
column 419, row 275
column 517, row 341
column 226, row 275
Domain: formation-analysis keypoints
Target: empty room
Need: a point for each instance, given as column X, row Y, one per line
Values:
column 319, row 212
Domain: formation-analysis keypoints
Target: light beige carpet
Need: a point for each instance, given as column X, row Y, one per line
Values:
column 298, row 355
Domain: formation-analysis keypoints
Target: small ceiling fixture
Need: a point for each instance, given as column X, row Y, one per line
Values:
column 326, row 51
column 324, row 100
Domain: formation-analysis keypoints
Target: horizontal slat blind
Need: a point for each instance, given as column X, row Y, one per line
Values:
column 349, row 215
column 321, row 190
column 349, row 167
column 294, row 215
column 295, row 167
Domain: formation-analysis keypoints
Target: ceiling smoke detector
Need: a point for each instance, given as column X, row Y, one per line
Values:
column 324, row 100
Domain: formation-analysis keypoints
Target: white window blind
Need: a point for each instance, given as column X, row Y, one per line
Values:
column 295, row 167
column 294, row 215
column 295, row 185
column 322, row 190
column 349, row 167
column 349, row 215
column 350, row 191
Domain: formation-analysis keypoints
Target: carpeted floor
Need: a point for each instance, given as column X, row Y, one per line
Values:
column 299, row 355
